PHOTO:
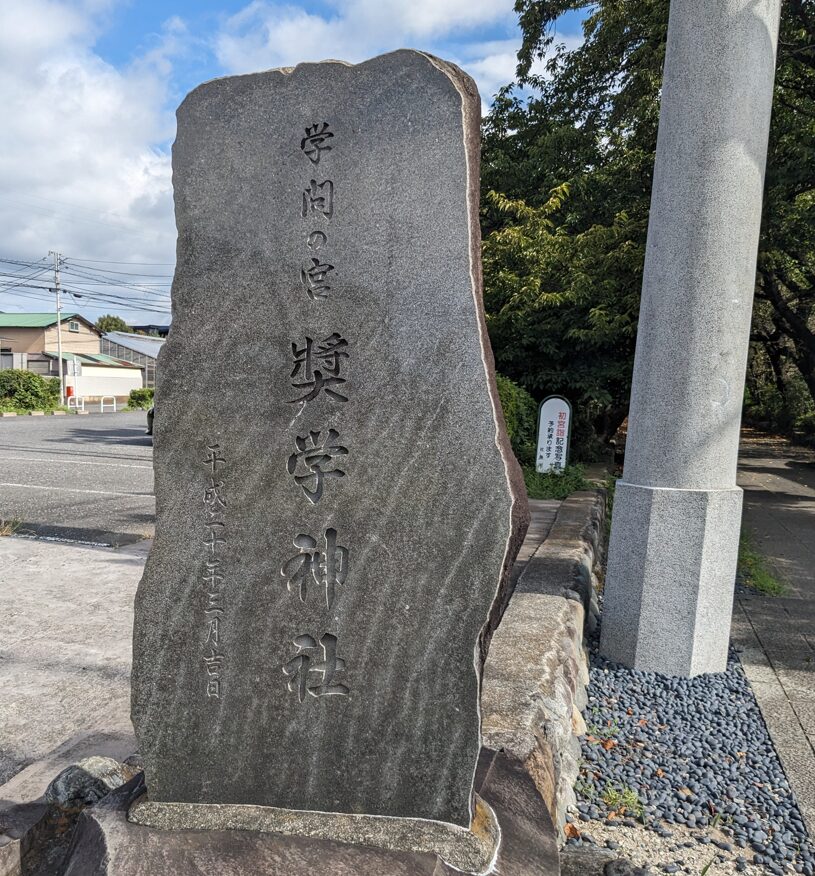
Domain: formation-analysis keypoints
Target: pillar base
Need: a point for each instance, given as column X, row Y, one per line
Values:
column 668, row 595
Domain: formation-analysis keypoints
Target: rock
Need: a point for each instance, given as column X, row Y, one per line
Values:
column 86, row 782
column 337, row 501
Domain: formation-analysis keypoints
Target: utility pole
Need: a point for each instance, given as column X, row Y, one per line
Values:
column 57, row 290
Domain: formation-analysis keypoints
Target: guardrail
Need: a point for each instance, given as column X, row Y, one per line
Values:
column 111, row 403
column 78, row 402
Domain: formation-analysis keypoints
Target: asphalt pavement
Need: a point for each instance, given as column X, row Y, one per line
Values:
column 84, row 479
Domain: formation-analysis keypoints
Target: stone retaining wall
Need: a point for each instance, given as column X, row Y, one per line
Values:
column 535, row 678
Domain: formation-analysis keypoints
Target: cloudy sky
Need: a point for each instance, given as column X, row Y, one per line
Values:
column 88, row 90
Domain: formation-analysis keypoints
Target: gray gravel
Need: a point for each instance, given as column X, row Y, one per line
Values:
column 698, row 756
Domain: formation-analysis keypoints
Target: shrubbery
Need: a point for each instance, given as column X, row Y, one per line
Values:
column 555, row 484
column 141, row 398
column 521, row 417
column 22, row 391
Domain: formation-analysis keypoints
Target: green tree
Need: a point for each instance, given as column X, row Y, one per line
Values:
column 784, row 317
column 567, row 179
column 111, row 323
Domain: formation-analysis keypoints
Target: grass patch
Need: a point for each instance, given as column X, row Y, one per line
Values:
column 555, row 485
column 623, row 800
column 9, row 527
column 585, row 790
column 753, row 570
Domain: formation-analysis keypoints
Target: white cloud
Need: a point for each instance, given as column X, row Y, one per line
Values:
column 265, row 34
column 80, row 171
column 85, row 163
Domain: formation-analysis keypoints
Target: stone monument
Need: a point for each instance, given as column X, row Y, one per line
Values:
column 337, row 502
column 677, row 510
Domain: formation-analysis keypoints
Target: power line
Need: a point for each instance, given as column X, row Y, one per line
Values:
column 10, row 284
column 102, row 262
column 122, row 273
column 112, row 291
column 120, row 283
column 92, row 302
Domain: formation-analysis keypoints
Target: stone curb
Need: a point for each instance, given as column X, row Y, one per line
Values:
column 536, row 674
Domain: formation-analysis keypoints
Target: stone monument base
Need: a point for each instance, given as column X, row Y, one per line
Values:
column 106, row 843
column 669, row 586
column 470, row 850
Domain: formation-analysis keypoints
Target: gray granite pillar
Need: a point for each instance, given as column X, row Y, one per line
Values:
column 677, row 510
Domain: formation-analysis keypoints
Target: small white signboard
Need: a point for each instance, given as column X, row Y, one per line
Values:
column 554, row 428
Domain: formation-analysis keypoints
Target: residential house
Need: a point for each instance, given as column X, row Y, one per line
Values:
column 29, row 341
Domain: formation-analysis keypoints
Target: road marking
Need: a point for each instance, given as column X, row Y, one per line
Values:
column 71, row 462
column 70, row 490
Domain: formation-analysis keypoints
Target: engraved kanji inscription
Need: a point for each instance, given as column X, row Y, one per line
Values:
column 316, row 141
column 212, row 577
column 213, row 540
column 214, row 604
column 319, row 198
column 313, row 462
column 213, row 630
column 213, row 496
column 214, row 457
column 316, row 240
column 327, row 567
column 319, row 364
column 214, row 660
column 302, row 666
column 313, row 277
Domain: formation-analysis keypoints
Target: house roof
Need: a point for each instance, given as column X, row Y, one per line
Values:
column 92, row 359
column 143, row 344
column 35, row 320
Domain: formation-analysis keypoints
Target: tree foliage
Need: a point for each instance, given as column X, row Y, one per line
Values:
column 568, row 154
column 111, row 323
column 784, row 316
column 520, row 417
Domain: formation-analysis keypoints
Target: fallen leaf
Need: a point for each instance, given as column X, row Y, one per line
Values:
column 608, row 744
column 571, row 831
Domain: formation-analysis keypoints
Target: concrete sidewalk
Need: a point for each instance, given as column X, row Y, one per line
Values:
column 777, row 634
column 65, row 644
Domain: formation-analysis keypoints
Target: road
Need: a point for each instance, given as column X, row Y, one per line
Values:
column 78, row 478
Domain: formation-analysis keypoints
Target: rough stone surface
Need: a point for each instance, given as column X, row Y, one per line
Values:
column 87, row 782
column 107, row 844
column 470, row 850
column 694, row 328
column 536, row 673
column 669, row 586
column 431, row 508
